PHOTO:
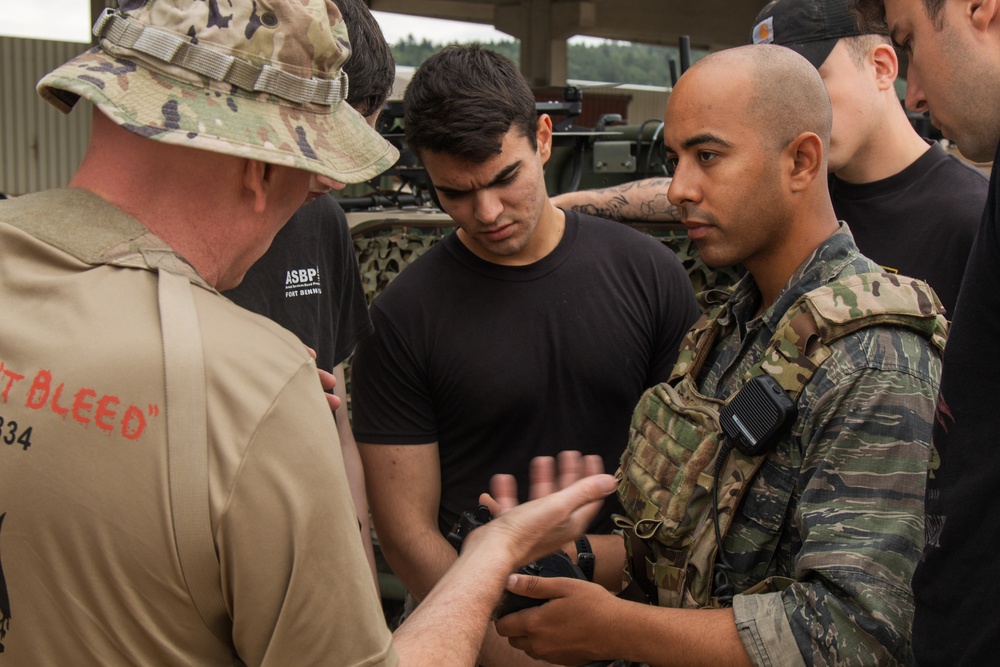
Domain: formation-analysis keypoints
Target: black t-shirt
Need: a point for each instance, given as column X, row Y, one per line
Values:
column 956, row 586
column 920, row 222
column 499, row 364
column 308, row 282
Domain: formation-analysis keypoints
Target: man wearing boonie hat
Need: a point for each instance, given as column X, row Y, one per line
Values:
column 171, row 486
column 912, row 207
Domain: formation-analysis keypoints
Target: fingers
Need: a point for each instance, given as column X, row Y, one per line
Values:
column 542, row 526
column 542, row 474
column 544, row 478
column 592, row 465
column 503, row 488
column 570, row 467
column 327, row 380
column 495, row 507
column 535, row 587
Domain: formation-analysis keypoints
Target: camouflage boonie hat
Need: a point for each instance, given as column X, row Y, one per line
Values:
column 259, row 79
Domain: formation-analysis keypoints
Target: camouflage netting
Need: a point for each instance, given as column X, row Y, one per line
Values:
column 384, row 253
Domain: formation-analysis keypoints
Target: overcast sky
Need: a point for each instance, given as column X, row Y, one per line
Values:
column 69, row 20
column 62, row 20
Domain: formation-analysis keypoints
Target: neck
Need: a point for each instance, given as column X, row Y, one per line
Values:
column 772, row 273
column 892, row 146
column 177, row 194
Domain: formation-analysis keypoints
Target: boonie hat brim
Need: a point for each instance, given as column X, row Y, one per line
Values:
column 334, row 141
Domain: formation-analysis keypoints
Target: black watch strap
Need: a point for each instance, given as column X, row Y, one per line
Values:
column 585, row 558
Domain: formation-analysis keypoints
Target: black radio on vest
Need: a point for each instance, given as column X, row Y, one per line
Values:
column 757, row 414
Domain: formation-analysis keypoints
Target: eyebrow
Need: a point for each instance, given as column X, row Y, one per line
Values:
column 503, row 175
column 701, row 139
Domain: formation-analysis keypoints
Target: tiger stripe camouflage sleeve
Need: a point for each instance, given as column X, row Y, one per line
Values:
column 857, row 528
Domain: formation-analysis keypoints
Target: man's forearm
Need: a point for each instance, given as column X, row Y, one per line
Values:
column 422, row 569
column 463, row 602
column 449, row 626
column 691, row 637
column 643, row 201
column 354, row 469
column 420, row 558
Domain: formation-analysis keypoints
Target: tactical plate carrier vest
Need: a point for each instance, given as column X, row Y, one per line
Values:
column 666, row 475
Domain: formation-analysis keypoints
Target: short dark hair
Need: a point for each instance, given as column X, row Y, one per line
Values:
column 871, row 14
column 463, row 100
column 371, row 67
column 859, row 46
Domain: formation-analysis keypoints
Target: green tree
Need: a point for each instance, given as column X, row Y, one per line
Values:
column 615, row 62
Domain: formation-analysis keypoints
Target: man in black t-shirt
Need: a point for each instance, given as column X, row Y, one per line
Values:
column 954, row 52
column 912, row 207
column 525, row 332
column 308, row 280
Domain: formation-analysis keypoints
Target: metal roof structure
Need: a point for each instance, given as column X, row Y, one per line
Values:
column 543, row 26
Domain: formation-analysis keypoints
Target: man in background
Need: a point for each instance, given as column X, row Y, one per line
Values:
column 308, row 280
column 954, row 51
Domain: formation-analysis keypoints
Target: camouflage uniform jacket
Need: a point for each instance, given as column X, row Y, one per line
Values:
column 838, row 505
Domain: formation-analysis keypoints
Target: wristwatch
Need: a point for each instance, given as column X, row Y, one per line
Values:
column 585, row 558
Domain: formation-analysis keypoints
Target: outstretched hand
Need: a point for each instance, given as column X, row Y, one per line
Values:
column 545, row 479
column 541, row 526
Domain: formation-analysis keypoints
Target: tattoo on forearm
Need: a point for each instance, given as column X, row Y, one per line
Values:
column 644, row 201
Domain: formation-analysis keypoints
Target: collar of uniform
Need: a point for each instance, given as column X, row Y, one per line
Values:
column 825, row 263
column 95, row 231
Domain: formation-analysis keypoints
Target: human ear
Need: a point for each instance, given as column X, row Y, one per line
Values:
column 983, row 14
column 543, row 137
column 256, row 180
column 886, row 66
column 805, row 154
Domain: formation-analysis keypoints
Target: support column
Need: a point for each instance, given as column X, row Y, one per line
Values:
column 543, row 26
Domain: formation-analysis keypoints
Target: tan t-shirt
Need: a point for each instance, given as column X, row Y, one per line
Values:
column 87, row 551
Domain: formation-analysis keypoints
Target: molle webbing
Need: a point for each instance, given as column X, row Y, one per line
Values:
column 666, row 472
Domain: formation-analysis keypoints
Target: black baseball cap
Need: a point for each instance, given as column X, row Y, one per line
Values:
column 811, row 28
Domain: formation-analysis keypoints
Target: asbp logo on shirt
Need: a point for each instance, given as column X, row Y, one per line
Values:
column 302, row 282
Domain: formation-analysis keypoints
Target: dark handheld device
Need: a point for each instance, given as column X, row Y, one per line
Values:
column 755, row 418
column 557, row 564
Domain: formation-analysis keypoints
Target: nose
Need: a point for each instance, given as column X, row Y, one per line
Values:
column 683, row 188
column 488, row 206
column 322, row 184
column 915, row 98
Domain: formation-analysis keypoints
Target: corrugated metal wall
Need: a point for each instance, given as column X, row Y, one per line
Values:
column 39, row 146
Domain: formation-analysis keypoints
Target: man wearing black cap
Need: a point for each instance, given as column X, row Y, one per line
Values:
column 912, row 207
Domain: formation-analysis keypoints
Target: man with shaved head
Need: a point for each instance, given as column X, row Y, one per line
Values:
column 794, row 430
